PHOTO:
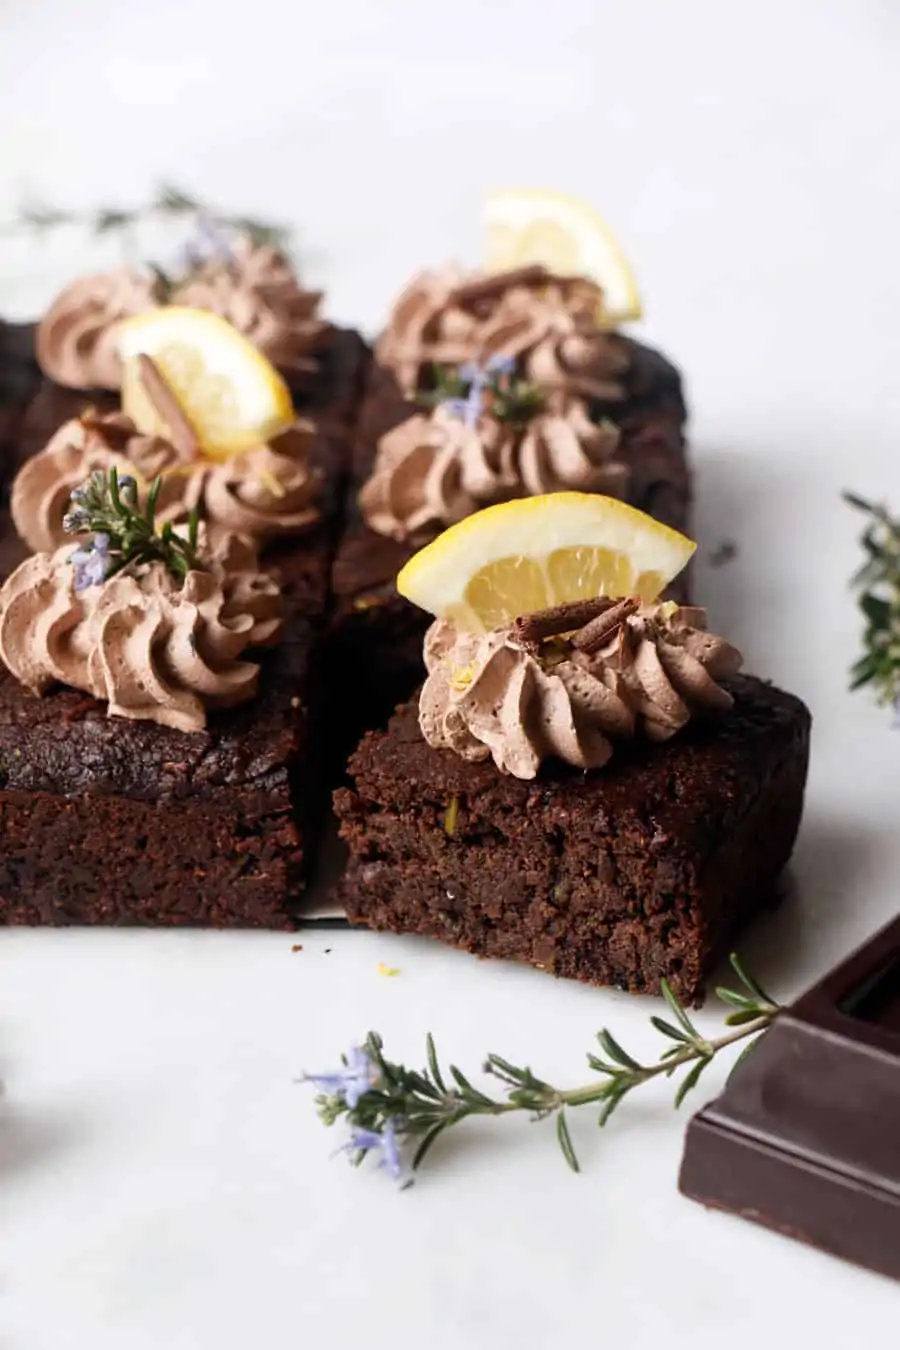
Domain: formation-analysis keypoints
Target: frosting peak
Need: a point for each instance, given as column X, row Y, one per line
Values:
column 76, row 337
column 433, row 470
column 547, row 322
column 152, row 648
column 40, row 492
column 263, row 493
column 256, row 289
column 266, row 492
column 519, row 698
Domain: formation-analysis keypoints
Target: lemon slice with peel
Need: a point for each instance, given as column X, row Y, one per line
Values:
column 230, row 394
column 528, row 554
column 532, row 225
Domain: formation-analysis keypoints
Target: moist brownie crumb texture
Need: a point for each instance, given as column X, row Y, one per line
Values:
column 636, row 872
column 127, row 822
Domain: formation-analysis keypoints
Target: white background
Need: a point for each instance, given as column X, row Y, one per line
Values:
column 162, row 1180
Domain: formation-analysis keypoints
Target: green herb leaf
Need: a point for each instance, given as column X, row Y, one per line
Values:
column 689, row 1081
column 106, row 221
column 678, row 1010
column 615, row 1051
column 428, row 1138
column 565, row 1140
column 859, row 502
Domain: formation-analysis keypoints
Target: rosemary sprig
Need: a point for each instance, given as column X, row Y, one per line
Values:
column 40, row 217
column 122, row 532
column 878, row 582
column 470, row 390
column 397, row 1113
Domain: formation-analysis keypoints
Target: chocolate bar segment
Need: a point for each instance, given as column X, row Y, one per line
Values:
column 805, row 1139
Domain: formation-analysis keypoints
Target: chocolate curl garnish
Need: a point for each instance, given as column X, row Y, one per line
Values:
column 485, row 288
column 116, row 429
column 162, row 396
column 597, row 633
column 531, row 629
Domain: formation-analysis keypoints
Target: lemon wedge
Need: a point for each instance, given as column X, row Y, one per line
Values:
column 230, row 394
column 532, row 225
column 528, row 554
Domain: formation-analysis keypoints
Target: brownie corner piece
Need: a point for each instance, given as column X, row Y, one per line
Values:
column 625, row 876
column 112, row 821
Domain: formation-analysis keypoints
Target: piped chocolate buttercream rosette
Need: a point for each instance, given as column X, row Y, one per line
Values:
column 156, row 623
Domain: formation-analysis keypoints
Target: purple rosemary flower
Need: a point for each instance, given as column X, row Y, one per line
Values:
column 479, row 378
column 473, row 373
column 92, row 562
column 208, row 244
column 456, row 407
column 378, row 1141
column 128, row 489
column 354, row 1078
column 501, row 365
column 471, row 406
column 77, row 521
column 82, row 494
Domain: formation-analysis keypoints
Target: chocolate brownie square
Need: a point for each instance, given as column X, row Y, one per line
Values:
column 622, row 876
column 113, row 821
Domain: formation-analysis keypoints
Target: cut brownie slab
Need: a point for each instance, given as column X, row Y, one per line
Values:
column 626, row 875
column 376, row 630
column 117, row 821
column 121, row 822
column 107, row 820
column 20, row 379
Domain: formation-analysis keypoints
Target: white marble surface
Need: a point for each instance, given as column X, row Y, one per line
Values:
column 163, row 1181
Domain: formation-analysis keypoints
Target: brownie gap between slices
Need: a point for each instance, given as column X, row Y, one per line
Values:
column 20, row 379
column 374, row 629
column 621, row 876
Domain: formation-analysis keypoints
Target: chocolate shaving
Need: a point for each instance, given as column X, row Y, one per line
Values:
column 115, row 429
column 531, row 629
column 485, row 288
column 597, row 633
column 162, row 396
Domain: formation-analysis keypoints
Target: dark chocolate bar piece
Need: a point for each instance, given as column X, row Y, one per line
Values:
column 805, row 1139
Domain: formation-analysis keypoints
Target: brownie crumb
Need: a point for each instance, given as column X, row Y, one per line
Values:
column 723, row 553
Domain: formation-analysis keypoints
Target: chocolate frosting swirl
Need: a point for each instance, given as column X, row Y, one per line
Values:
column 433, row 470
column 151, row 647
column 557, row 344
column 76, row 337
column 547, row 322
column 496, row 695
column 265, row 493
column 40, row 492
column 257, row 290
